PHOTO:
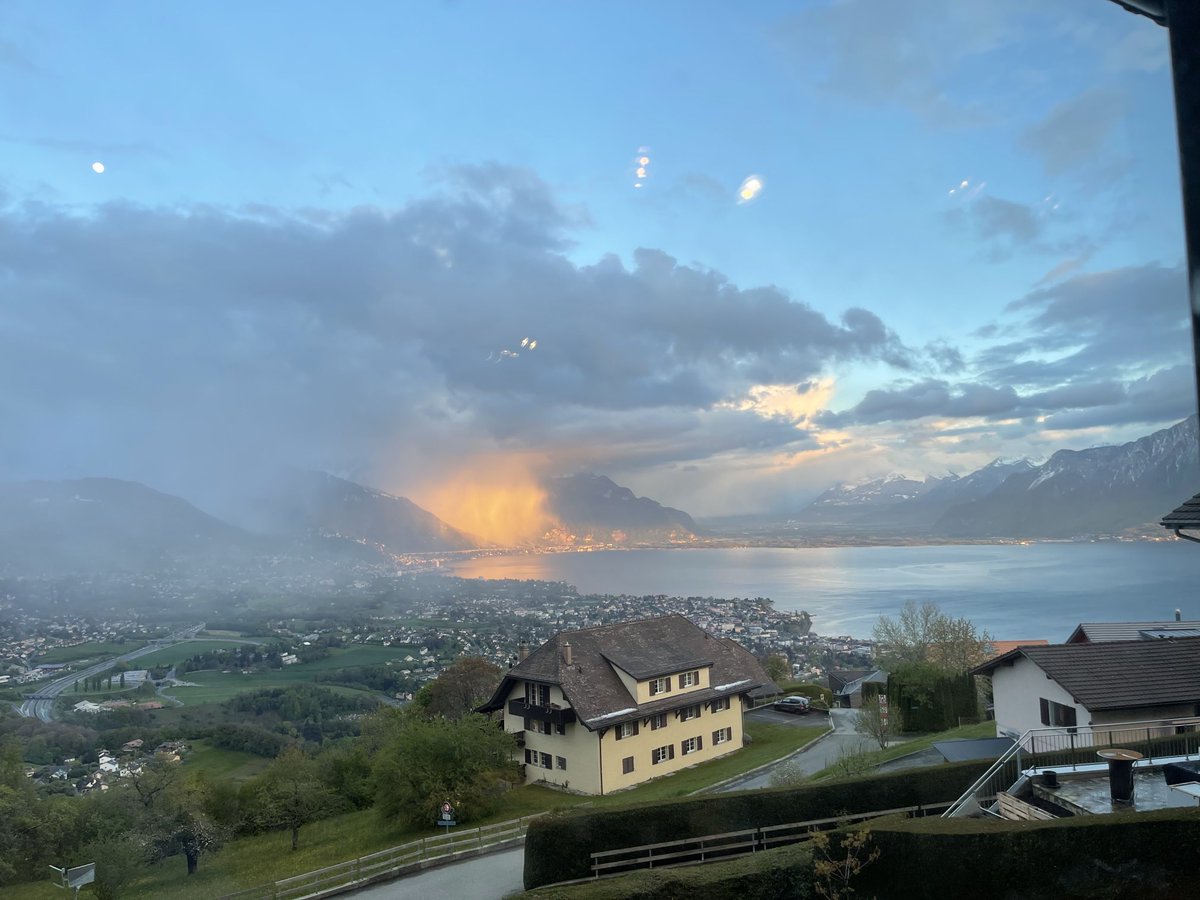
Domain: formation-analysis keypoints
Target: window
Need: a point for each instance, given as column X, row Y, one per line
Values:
column 560, row 728
column 689, row 712
column 659, row 686
column 1057, row 714
column 722, row 735
column 691, row 745
column 662, row 754
column 659, row 721
column 627, row 765
column 562, row 762
column 720, row 704
column 537, row 726
column 530, row 758
column 689, row 679
column 627, row 730
column 547, row 761
column 537, row 694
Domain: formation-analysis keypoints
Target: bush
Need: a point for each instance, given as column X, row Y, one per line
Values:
column 559, row 846
column 1135, row 855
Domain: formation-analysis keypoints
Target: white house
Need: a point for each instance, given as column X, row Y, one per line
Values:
column 1065, row 686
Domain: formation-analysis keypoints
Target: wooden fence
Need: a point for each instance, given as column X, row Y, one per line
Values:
column 712, row 847
column 392, row 862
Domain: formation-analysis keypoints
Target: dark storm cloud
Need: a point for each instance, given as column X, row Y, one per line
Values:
column 169, row 339
column 1102, row 349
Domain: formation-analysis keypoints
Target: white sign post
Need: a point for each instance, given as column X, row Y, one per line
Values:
column 74, row 878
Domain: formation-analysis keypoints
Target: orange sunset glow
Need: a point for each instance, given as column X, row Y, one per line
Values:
column 497, row 499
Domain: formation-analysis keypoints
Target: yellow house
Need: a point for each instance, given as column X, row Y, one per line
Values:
column 607, row 708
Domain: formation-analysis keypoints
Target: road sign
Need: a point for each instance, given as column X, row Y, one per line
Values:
column 75, row 877
column 446, row 816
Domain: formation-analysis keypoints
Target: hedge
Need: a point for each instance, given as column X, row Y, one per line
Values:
column 811, row 691
column 783, row 872
column 1123, row 855
column 559, row 846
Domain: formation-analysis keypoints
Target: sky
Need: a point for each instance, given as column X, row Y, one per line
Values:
column 761, row 248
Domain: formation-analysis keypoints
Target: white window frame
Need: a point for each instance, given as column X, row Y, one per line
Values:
column 689, row 712
column 689, row 679
column 688, row 746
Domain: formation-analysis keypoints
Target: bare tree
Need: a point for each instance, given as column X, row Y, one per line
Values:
column 926, row 635
column 876, row 722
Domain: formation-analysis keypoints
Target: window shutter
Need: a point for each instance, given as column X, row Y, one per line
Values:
column 653, row 686
column 699, row 742
column 528, row 725
column 619, row 729
column 1045, row 704
column 635, row 730
column 716, row 737
column 670, row 751
column 668, row 682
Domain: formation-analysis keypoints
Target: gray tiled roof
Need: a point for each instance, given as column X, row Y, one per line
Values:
column 644, row 648
column 840, row 678
column 1097, row 632
column 1118, row 674
column 1185, row 516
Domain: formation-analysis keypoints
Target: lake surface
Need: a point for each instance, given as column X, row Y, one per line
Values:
column 1013, row 591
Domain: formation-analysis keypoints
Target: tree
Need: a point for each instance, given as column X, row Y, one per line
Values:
column 181, row 826
column 465, row 684
column 926, row 635
column 422, row 762
column 157, row 777
column 836, row 866
column 119, row 859
column 777, row 669
column 874, row 723
column 291, row 794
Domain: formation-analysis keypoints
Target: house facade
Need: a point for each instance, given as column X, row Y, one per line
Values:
column 1069, row 686
column 604, row 709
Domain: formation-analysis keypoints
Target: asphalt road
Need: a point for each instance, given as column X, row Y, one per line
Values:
column 483, row 878
column 40, row 704
column 820, row 755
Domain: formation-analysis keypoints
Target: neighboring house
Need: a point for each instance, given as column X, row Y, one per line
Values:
column 1094, row 632
column 607, row 708
column 1068, row 685
column 999, row 648
column 847, row 685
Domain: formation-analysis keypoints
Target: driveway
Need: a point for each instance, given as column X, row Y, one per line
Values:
column 820, row 755
column 482, row 878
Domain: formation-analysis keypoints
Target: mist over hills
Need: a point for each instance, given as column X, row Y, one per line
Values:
column 593, row 506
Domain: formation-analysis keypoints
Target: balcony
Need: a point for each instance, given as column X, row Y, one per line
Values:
column 555, row 715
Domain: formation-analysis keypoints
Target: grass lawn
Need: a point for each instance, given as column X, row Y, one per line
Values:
column 923, row 742
column 94, row 650
column 221, row 764
column 176, row 653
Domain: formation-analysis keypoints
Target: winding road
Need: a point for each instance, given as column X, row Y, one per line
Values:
column 40, row 704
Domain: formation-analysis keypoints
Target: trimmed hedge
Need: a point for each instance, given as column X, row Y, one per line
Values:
column 559, row 846
column 1124, row 855
column 782, row 872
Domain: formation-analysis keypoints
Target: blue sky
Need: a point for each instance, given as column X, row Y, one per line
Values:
column 319, row 227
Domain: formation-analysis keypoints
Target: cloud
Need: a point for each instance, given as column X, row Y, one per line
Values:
column 1076, row 132
column 158, row 342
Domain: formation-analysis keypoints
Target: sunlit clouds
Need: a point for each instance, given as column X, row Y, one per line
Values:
column 497, row 498
column 790, row 401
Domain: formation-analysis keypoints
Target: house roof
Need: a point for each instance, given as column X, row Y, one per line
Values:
column 999, row 648
column 1096, row 632
column 1186, row 515
column 840, row 678
column 1117, row 674
column 644, row 649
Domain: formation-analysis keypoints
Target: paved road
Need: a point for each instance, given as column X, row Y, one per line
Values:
column 817, row 757
column 484, row 878
column 40, row 704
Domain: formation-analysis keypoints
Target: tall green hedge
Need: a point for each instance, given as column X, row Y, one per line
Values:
column 1127, row 855
column 929, row 699
column 559, row 846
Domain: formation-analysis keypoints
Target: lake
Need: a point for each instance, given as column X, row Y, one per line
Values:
column 1014, row 591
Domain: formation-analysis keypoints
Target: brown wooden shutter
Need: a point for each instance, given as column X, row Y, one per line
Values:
column 699, row 742
column 716, row 737
column 668, row 682
column 671, row 751
column 635, row 729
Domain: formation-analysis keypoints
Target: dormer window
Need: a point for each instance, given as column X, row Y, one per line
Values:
column 689, row 679
column 660, row 685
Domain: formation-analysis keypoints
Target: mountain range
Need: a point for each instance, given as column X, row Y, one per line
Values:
column 1101, row 490
column 105, row 524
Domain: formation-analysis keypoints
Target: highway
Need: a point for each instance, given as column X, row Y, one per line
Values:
column 41, row 703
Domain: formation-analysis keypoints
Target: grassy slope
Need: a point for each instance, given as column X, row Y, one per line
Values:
column 95, row 650
column 267, row 857
column 924, row 742
column 218, row 763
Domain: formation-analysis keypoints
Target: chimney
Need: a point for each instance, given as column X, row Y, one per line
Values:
column 1178, row 616
column 567, row 652
column 522, row 652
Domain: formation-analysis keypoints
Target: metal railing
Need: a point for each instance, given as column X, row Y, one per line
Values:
column 374, row 866
column 1074, row 749
column 712, row 847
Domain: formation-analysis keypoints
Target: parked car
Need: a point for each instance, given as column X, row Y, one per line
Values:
column 800, row 706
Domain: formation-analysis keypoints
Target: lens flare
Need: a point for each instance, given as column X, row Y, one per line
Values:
column 98, row 167
column 751, row 187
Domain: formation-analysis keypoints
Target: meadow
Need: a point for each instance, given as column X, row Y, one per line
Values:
column 93, row 650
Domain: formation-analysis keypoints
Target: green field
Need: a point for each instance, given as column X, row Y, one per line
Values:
column 221, row 764
column 94, row 650
column 169, row 656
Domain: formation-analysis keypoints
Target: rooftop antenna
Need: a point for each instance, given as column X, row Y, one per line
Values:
column 74, row 878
